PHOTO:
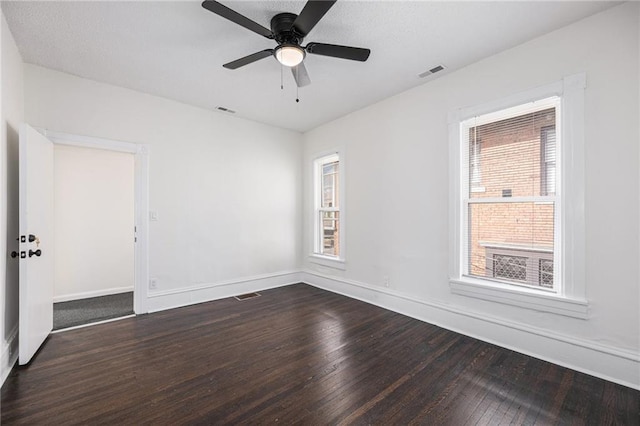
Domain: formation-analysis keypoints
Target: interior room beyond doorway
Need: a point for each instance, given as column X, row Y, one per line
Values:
column 94, row 234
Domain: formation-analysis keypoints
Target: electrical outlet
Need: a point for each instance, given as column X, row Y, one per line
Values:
column 153, row 283
column 385, row 280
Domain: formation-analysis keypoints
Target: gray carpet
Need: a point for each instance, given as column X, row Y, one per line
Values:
column 94, row 309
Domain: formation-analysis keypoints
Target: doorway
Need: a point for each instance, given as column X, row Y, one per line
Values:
column 94, row 235
column 101, row 227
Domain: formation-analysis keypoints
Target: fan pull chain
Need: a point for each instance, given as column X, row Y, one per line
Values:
column 281, row 78
column 297, row 88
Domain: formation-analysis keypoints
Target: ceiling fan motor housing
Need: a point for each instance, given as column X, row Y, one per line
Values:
column 283, row 30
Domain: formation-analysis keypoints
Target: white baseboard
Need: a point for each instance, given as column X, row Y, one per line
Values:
column 175, row 298
column 9, row 354
column 613, row 364
column 88, row 294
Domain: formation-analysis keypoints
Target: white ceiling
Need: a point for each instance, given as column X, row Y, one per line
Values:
column 176, row 49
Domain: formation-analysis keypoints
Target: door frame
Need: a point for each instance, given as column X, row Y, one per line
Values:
column 141, row 202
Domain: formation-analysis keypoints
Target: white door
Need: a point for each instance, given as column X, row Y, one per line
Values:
column 36, row 241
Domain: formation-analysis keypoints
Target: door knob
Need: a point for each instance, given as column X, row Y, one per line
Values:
column 37, row 252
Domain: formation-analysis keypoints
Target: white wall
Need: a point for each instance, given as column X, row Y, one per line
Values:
column 94, row 222
column 11, row 115
column 397, row 204
column 226, row 190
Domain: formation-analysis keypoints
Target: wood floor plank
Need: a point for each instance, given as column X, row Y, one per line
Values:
column 297, row 355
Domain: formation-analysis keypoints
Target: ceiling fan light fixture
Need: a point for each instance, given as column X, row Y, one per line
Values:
column 289, row 55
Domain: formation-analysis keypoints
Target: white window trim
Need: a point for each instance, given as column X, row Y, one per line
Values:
column 336, row 262
column 570, row 300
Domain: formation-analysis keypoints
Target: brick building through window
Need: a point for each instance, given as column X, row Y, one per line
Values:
column 512, row 181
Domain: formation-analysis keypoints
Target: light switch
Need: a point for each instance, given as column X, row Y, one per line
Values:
column 153, row 216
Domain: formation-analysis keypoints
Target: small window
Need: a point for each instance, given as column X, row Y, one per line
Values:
column 327, row 206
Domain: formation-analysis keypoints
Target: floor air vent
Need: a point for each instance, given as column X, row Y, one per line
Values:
column 247, row 296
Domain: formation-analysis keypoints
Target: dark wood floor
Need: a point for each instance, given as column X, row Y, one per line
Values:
column 297, row 355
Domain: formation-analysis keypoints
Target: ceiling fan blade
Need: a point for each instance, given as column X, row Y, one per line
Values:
column 233, row 16
column 336, row 51
column 300, row 75
column 248, row 59
column 311, row 13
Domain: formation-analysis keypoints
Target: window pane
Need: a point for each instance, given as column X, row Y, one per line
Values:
column 330, row 233
column 514, row 157
column 501, row 235
column 329, row 185
column 327, row 209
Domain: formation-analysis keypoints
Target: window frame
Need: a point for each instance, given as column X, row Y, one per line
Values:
column 316, row 255
column 569, row 256
column 466, row 188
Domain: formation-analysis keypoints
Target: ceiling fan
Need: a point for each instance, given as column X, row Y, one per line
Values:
column 288, row 30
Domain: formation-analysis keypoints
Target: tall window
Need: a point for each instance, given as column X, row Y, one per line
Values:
column 509, row 230
column 327, row 202
column 517, row 228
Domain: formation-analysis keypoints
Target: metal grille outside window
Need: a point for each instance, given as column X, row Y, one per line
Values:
column 546, row 273
column 510, row 267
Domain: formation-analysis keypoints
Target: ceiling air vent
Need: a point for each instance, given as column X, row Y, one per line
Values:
column 223, row 109
column 431, row 71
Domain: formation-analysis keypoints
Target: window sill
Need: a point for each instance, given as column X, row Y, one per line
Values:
column 523, row 297
column 330, row 262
